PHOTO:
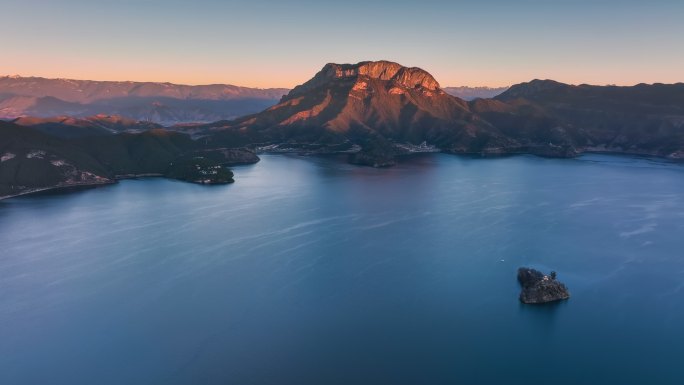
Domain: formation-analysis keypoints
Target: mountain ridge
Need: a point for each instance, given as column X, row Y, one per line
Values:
column 72, row 127
column 79, row 91
column 355, row 103
column 32, row 160
column 392, row 104
column 162, row 103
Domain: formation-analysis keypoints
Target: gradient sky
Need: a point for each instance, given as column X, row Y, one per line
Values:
column 267, row 43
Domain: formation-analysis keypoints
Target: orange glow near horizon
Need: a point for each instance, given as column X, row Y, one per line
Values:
column 265, row 43
column 277, row 77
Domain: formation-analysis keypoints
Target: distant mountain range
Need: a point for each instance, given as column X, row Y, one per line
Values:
column 471, row 93
column 374, row 111
column 98, row 125
column 645, row 119
column 162, row 103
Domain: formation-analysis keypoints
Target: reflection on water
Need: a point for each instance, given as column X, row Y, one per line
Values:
column 544, row 316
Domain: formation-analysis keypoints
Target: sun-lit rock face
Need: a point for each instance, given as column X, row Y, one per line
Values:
column 398, row 75
column 309, row 113
column 379, row 102
column 384, row 70
column 347, row 101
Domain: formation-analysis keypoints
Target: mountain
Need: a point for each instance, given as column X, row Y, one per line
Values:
column 641, row 119
column 471, row 93
column 386, row 109
column 162, row 103
column 89, row 91
column 70, row 127
column 374, row 111
column 369, row 104
column 32, row 160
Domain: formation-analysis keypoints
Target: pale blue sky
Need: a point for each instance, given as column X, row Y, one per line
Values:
column 270, row 43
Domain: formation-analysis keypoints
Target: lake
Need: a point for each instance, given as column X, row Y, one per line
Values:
column 308, row 270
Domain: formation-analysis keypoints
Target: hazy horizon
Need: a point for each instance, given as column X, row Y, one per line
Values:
column 269, row 87
column 263, row 43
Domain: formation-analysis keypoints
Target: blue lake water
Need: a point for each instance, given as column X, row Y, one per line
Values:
column 312, row 271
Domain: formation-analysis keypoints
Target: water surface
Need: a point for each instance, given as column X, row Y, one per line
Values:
column 312, row 271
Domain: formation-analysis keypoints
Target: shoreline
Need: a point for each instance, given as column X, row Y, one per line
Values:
column 135, row 176
column 579, row 153
column 57, row 188
column 114, row 180
column 491, row 155
column 117, row 178
column 487, row 153
column 637, row 154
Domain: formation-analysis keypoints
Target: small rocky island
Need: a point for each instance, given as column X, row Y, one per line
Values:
column 540, row 288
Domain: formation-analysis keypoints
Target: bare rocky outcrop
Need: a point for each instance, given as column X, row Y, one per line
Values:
column 364, row 104
column 384, row 102
column 381, row 70
column 540, row 288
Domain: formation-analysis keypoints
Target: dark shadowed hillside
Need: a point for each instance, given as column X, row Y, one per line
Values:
column 70, row 127
column 642, row 119
column 32, row 160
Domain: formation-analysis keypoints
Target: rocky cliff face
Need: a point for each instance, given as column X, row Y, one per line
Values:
column 367, row 104
column 380, row 70
column 377, row 105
